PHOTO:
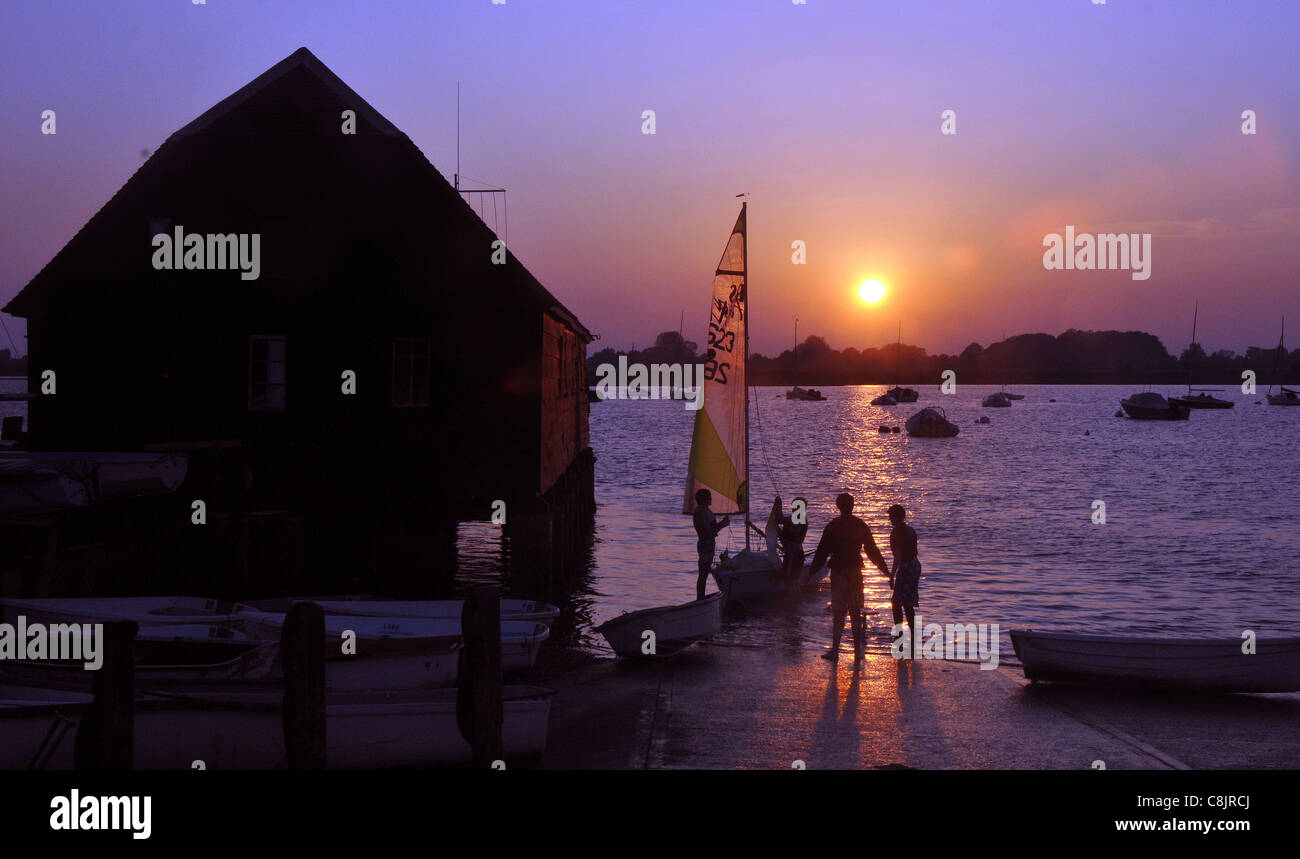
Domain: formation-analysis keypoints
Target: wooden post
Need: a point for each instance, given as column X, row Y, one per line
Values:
column 478, row 703
column 302, row 655
column 106, row 736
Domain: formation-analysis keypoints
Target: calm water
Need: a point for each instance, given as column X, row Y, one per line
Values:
column 1200, row 534
column 1200, row 537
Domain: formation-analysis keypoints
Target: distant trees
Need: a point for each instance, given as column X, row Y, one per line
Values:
column 1074, row 356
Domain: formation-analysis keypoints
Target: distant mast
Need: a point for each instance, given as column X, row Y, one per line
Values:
column 720, row 442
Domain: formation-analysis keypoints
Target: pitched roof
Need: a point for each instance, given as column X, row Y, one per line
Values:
column 256, row 105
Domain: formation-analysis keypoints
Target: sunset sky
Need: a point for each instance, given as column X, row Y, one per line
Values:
column 1117, row 117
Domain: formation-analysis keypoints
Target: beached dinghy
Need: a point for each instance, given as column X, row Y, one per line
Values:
column 514, row 610
column 1172, row 664
column 242, row 727
column 674, row 626
column 168, row 611
column 26, row 489
column 520, row 640
column 191, row 654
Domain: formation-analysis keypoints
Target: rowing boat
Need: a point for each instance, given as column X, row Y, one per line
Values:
column 1172, row 664
column 674, row 627
column 514, row 610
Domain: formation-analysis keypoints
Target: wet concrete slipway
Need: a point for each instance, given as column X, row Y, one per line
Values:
column 726, row 704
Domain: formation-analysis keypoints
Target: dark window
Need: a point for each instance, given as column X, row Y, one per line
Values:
column 410, row 372
column 266, row 389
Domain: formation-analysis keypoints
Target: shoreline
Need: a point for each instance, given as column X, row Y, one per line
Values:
column 738, row 707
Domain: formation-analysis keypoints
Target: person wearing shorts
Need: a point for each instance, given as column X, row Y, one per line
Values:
column 906, row 576
column 841, row 546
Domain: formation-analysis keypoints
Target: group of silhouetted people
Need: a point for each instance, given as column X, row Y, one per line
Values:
column 841, row 546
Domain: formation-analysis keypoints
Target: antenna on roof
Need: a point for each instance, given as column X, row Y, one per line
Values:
column 457, row 173
column 500, row 221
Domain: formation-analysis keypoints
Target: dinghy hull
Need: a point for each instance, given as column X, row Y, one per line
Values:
column 674, row 627
column 1165, row 664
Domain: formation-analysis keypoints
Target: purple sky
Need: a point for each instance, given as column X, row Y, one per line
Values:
column 1115, row 117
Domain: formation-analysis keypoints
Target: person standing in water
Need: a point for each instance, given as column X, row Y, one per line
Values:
column 706, row 530
column 792, row 536
column 841, row 545
column 906, row 575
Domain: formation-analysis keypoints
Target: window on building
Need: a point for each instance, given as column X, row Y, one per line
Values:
column 266, row 389
column 410, row 372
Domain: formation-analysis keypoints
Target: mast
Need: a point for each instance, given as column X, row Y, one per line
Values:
column 1195, row 313
column 744, row 211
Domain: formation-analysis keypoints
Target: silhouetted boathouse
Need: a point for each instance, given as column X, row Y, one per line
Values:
column 381, row 379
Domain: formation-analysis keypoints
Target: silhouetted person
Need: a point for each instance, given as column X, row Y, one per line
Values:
column 792, row 537
column 842, row 543
column 906, row 575
column 706, row 528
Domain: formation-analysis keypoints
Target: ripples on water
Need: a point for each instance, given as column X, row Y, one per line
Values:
column 1200, row 536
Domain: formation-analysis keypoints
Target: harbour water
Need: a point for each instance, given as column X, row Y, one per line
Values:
column 1199, row 538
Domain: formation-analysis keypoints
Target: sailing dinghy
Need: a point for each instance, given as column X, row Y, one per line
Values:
column 720, row 444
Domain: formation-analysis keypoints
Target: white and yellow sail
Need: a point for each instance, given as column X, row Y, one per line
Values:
column 720, row 444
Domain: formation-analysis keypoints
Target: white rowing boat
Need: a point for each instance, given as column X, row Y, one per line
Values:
column 673, row 627
column 514, row 610
column 243, row 728
column 168, row 656
column 521, row 640
column 1192, row 665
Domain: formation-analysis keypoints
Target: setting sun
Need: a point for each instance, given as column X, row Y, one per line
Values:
column 871, row 291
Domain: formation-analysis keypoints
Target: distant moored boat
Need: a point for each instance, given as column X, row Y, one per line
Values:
column 1153, row 407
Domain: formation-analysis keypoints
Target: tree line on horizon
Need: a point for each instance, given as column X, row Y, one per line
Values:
column 1072, row 357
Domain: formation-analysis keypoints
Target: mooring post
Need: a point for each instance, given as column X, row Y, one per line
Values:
column 478, row 702
column 302, row 655
column 106, row 736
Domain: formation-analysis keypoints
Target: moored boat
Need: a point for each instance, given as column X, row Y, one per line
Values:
column 1201, row 400
column 997, row 400
column 931, row 422
column 1169, row 664
column 884, row 400
column 674, row 626
column 904, row 395
column 1286, row 397
column 1153, row 407
column 806, row 394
